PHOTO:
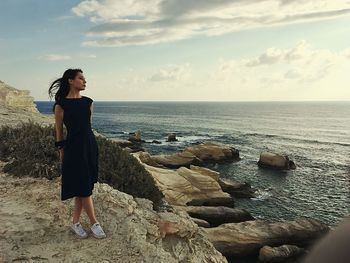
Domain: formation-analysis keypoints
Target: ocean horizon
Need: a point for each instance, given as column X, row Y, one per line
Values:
column 314, row 134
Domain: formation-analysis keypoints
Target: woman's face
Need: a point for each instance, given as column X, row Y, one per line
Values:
column 78, row 82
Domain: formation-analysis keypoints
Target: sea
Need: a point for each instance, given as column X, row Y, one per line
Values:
column 315, row 135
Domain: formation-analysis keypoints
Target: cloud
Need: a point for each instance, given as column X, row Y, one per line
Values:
column 274, row 55
column 172, row 72
column 299, row 64
column 54, row 57
column 125, row 22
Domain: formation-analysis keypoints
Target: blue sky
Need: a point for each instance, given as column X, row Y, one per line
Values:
column 180, row 50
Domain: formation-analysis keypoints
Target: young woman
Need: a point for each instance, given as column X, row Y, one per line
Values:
column 79, row 151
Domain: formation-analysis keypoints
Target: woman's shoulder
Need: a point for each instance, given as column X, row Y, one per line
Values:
column 88, row 99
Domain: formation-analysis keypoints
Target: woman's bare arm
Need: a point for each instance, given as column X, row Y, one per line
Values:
column 59, row 112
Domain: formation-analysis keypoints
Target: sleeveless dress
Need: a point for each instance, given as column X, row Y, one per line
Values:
column 79, row 167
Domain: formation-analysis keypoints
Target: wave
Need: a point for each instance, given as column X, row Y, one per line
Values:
column 254, row 134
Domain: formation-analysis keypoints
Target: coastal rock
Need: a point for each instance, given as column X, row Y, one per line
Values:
column 17, row 106
column 217, row 215
column 134, row 148
column 237, row 189
column 122, row 143
column 146, row 158
column 273, row 160
column 200, row 222
column 198, row 155
column 35, row 225
column 214, row 201
column 183, row 185
column 11, row 97
column 136, row 137
column 246, row 238
column 206, row 171
column 176, row 160
column 172, row 137
column 280, row 254
column 214, row 152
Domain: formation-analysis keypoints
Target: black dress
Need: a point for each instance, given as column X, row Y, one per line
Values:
column 79, row 166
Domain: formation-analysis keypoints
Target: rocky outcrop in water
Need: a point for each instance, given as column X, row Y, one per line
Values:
column 274, row 160
column 196, row 155
column 182, row 185
column 247, row 238
column 214, row 152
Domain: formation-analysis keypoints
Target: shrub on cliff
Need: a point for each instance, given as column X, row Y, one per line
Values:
column 28, row 150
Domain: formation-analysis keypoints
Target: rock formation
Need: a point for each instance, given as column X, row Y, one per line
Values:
column 172, row 137
column 16, row 99
column 280, row 254
column 35, row 227
column 273, row 160
column 17, row 106
column 246, row 238
column 183, row 185
column 214, row 152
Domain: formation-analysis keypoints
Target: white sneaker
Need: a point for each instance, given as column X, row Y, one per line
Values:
column 78, row 230
column 97, row 230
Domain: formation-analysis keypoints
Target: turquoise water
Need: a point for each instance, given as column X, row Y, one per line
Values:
column 316, row 135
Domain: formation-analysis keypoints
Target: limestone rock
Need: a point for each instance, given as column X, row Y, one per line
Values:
column 146, row 158
column 274, row 160
column 176, row 160
column 237, row 189
column 200, row 222
column 33, row 230
column 121, row 143
column 183, row 185
column 279, row 254
column 246, row 238
column 217, row 215
column 214, row 152
column 206, row 171
column 11, row 97
column 198, row 155
column 136, row 137
column 214, row 201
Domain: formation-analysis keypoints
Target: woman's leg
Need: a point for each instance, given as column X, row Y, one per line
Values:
column 89, row 208
column 77, row 209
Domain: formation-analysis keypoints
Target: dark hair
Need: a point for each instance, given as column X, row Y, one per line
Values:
column 62, row 85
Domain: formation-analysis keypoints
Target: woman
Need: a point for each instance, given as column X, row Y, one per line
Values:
column 79, row 151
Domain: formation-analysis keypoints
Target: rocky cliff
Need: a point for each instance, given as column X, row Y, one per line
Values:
column 17, row 106
column 13, row 98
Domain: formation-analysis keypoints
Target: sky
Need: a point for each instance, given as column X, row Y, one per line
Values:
column 180, row 50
